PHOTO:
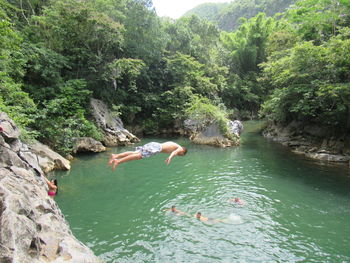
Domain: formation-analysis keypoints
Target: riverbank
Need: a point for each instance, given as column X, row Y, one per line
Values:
column 311, row 141
column 32, row 226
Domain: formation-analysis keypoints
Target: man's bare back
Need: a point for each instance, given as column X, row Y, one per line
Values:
column 169, row 147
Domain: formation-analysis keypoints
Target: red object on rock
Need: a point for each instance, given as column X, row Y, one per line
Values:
column 1, row 129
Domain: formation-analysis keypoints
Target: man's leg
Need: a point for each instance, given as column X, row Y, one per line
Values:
column 118, row 156
column 127, row 158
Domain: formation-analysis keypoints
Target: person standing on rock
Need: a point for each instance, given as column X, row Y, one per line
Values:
column 147, row 150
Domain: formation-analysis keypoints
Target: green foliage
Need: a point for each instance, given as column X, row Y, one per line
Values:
column 318, row 20
column 209, row 11
column 87, row 39
column 56, row 55
column 43, row 71
column 124, row 72
column 172, row 106
column 16, row 104
column 192, row 36
column 244, row 50
column 144, row 37
column 247, row 46
column 313, row 87
column 11, row 58
column 184, row 70
column 244, row 94
column 282, row 38
column 13, row 100
column 227, row 15
column 63, row 119
column 202, row 109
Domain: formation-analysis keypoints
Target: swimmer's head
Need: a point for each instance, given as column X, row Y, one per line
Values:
column 198, row 215
column 173, row 208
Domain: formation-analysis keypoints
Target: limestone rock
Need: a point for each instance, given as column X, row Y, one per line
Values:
column 311, row 141
column 10, row 158
column 88, row 144
column 236, row 127
column 115, row 133
column 329, row 157
column 48, row 159
column 209, row 133
column 32, row 227
column 10, row 131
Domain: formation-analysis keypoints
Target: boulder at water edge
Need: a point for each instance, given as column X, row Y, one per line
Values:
column 209, row 133
column 88, row 144
column 47, row 158
column 112, row 126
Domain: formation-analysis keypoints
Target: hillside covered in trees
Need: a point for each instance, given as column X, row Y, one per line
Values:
column 56, row 55
column 227, row 16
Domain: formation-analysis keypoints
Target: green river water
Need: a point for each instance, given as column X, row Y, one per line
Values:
column 296, row 210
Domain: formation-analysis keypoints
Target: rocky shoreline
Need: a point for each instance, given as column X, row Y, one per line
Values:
column 32, row 227
column 312, row 141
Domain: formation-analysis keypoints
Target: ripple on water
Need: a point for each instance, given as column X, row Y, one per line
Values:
column 288, row 215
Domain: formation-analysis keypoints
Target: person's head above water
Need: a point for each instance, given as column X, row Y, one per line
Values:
column 173, row 208
column 198, row 215
column 56, row 184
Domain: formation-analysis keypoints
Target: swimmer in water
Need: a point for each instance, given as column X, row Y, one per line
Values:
column 204, row 219
column 237, row 201
column 176, row 211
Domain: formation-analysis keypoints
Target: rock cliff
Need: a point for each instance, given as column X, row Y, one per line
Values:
column 48, row 160
column 32, row 227
column 312, row 141
column 112, row 127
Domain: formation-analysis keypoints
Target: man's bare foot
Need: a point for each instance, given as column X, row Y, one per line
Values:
column 111, row 159
column 115, row 164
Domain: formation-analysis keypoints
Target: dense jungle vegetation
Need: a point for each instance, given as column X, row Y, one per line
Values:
column 152, row 71
column 227, row 16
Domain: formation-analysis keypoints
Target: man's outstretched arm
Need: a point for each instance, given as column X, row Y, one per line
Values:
column 171, row 156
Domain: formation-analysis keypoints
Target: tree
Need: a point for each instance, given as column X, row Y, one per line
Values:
column 312, row 88
column 318, row 20
column 184, row 70
column 13, row 100
column 244, row 50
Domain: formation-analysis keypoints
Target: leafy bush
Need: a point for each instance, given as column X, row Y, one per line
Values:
column 311, row 84
column 202, row 109
column 63, row 119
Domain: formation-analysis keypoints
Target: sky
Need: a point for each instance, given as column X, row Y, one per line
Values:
column 176, row 8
